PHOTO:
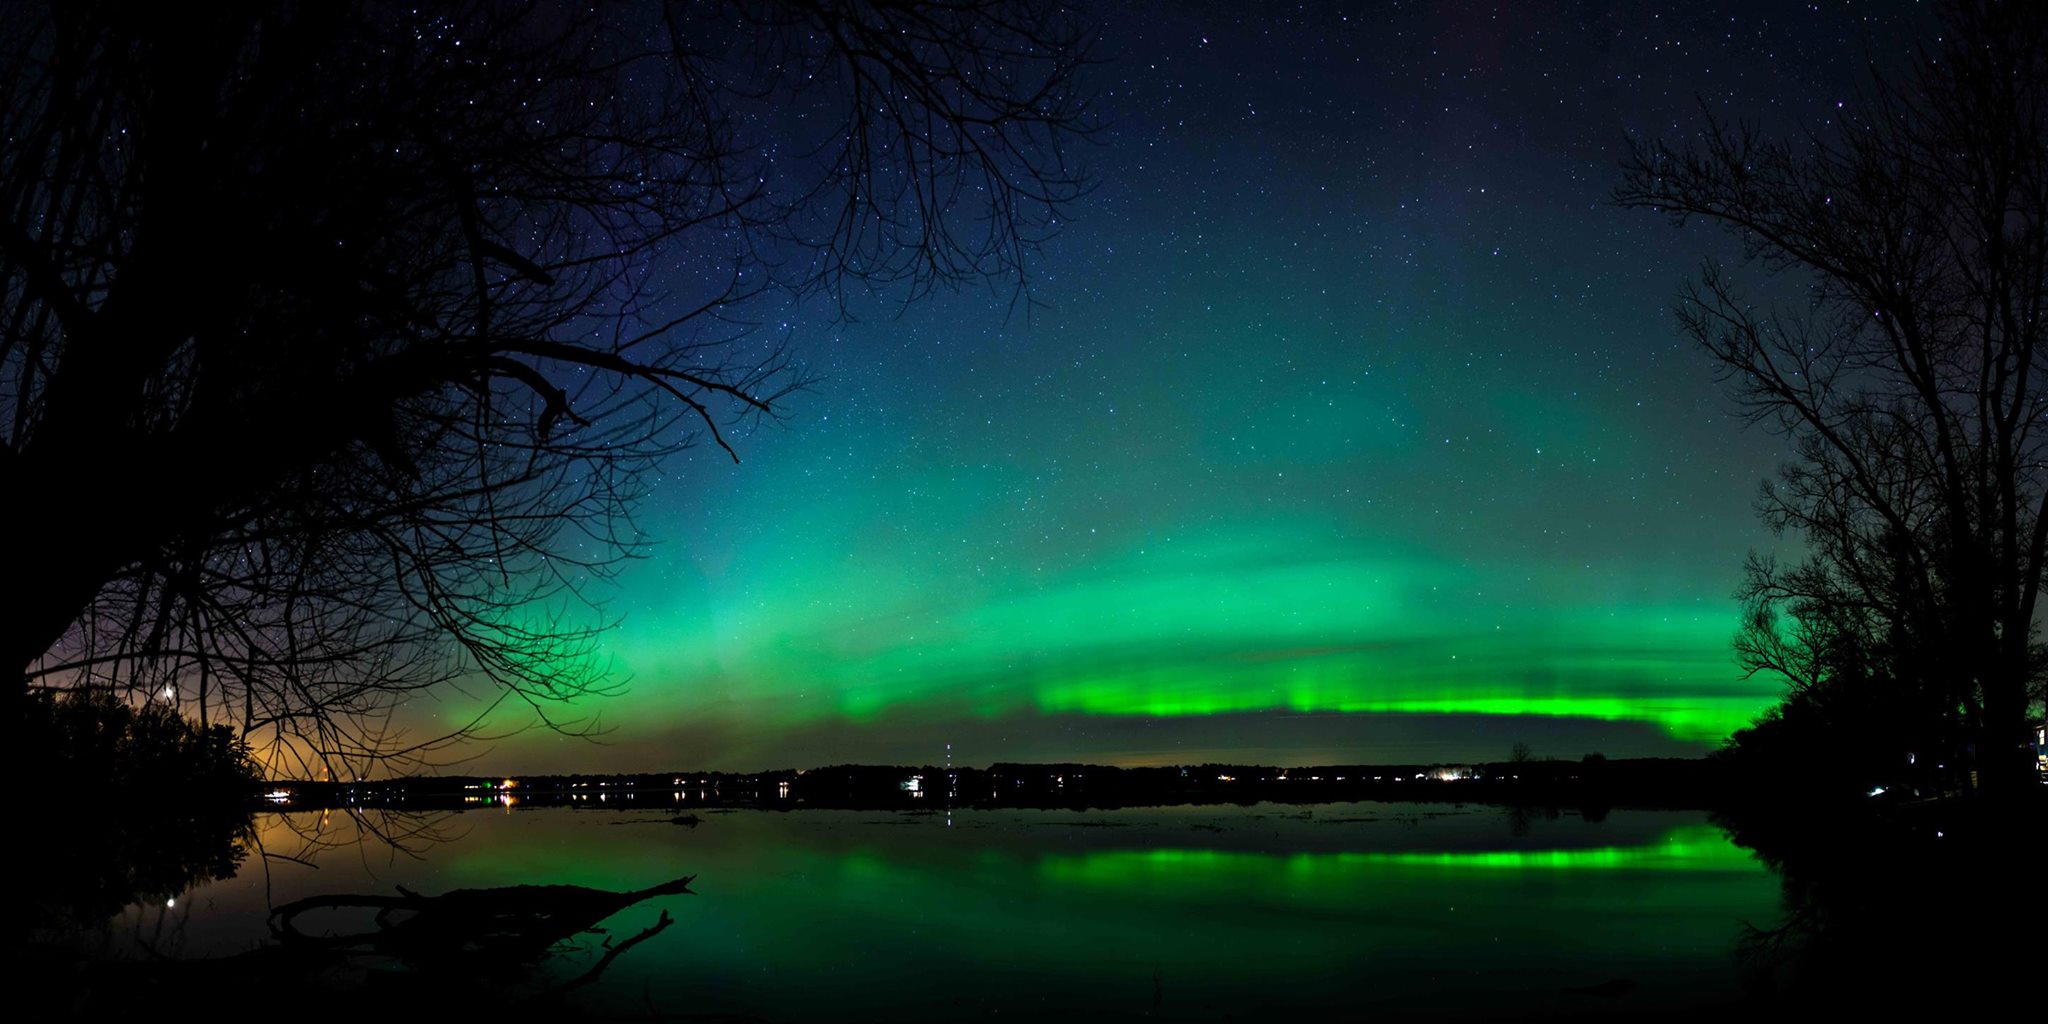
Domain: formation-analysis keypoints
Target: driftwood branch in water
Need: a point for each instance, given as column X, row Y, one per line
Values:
column 507, row 925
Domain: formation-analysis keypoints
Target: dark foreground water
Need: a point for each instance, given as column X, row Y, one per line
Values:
column 1175, row 913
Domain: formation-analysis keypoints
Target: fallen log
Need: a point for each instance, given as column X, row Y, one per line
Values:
column 499, row 927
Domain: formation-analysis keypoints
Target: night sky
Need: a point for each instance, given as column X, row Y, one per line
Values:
column 1356, row 428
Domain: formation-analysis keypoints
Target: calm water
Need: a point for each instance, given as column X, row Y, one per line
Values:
column 1181, row 913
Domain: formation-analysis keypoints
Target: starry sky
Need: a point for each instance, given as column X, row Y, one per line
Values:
column 1355, row 427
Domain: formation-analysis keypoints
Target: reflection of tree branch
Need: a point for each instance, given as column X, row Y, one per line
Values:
column 399, row 833
column 614, row 952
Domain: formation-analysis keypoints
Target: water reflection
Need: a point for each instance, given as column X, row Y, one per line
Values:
column 1685, row 848
column 147, row 854
column 1189, row 912
column 1898, row 914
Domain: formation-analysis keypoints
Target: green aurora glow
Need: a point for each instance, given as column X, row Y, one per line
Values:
column 1215, row 629
column 1353, row 400
column 1251, row 622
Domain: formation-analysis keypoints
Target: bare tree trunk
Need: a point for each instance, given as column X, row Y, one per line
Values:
column 2002, row 765
column 59, row 572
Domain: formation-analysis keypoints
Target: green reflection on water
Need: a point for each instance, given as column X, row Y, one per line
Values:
column 1689, row 848
column 825, row 913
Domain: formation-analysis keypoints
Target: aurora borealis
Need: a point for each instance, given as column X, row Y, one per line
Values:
column 1354, row 427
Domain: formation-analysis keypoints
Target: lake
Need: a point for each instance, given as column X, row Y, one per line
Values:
column 1190, row 912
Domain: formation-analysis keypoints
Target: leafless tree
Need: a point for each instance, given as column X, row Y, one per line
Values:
column 337, row 339
column 1908, row 384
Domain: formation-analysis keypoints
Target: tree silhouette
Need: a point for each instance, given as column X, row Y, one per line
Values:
column 1909, row 383
column 91, row 752
column 337, row 339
